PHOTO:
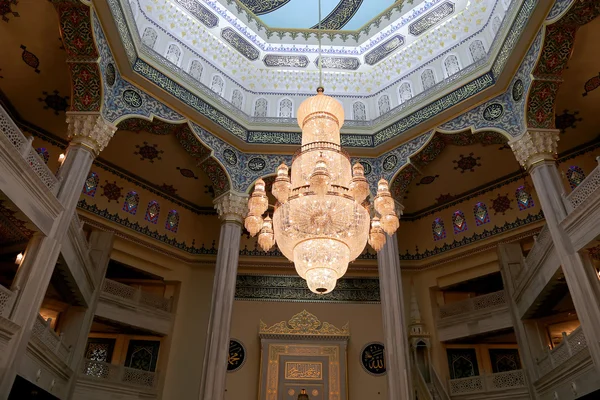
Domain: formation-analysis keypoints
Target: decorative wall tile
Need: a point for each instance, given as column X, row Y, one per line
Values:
column 431, row 19
column 467, row 163
column 346, row 63
column 276, row 60
column 384, row 50
column 240, row 44
column 340, row 15
column 203, row 14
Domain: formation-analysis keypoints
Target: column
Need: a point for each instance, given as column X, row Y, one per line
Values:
column 536, row 152
column 89, row 134
column 394, row 321
column 232, row 209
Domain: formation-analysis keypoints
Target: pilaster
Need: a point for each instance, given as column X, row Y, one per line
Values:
column 232, row 207
column 89, row 130
column 535, row 146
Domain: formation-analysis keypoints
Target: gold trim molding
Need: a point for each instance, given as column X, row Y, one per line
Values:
column 304, row 324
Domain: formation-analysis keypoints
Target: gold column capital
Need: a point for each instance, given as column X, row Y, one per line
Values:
column 535, row 146
column 232, row 206
column 89, row 130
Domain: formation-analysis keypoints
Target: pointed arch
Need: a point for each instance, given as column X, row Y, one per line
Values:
column 173, row 53
column 217, row 85
column 149, row 37
column 286, row 108
column 459, row 222
column 438, row 229
column 451, row 65
column 359, row 111
column 477, row 50
column 91, row 184
column 575, row 176
column 480, row 212
column 132, row 200
column 524, row 199
column 405, row 92
column 383, row 104
column 427, row 79
column 496, row 23
column 196, row 69
column 152, row 212
column 261, row 107
column 237, row 99
column 172, row 222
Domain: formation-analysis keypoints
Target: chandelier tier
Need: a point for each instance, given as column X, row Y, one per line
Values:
column 322, row 218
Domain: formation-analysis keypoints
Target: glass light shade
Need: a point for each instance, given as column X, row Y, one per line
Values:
column 282, row 185
column 376, row 236
column 359, row 187
column 266, row 239
column 253, row 224
column 390, row 223
column 321, row 262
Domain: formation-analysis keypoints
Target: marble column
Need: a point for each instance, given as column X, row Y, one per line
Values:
column 89, row 134
column 536, row 151
column 232, row 209
column 394, row 321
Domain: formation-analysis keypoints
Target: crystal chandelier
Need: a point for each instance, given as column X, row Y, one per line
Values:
column 321, row 221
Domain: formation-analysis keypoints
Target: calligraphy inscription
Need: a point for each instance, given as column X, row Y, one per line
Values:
column 304, row 370
column 236, row 356
column 373, row 358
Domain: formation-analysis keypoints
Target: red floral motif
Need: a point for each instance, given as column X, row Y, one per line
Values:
column 501, row 204
column 112, row 191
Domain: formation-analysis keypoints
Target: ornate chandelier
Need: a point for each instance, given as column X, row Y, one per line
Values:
column 322, row 216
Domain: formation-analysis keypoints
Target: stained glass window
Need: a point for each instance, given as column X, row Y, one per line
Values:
column 575, row 176
column 359, row 111
column 142, row 354
column 439, row 231
column 91, row 184
column 481, row 214
column 260, row 108
column 459, row 223
column 524, row 199
column 237, row 99
column 496, row 24
column 196, row 69
column 462, row 363
column 149, row 37
column 44, row 154
column 173, row 54
column 152, row 212
column 451, row 64
column 477, row 50
column 384, row 104
column 285, row 108
column 504, row 360
column 428, row 79
column 217, row 85
column 172, row 223
column 132, row 199
column 405, row 92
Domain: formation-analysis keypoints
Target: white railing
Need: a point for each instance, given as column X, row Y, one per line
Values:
column 420, row 385
column 542, row 242
column 119, row 374
column 588, row 186
column 487, row 301
column 438, row 387
column 23, row 146
column 488, row 383
column 47, row 337
column 136, row 296
column 7, row 301
column 569, row 347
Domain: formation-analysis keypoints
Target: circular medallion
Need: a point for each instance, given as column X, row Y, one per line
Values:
column 367, row 167
column 257, row 164
column 237, row 355
column 315, row 392
column 390, row 162
column 518, row 90
column 493, row 112
column 230, row 156
column 111, row 74
column 372, row 358
column 132, row 98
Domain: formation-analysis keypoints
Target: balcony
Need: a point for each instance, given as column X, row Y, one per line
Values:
column 134, row 307
column 583, row 207
column 509, row 384
column 7, row 327
column 25, row 178
column 474, row 316
column 100, row 380
column 570, row 346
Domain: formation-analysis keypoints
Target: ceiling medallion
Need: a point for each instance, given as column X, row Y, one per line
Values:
column 322, row 220
column 493, row 112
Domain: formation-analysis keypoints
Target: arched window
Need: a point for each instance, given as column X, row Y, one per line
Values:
column 459, row 223
column 43, row 153
column 217, row 85
column 427, row 79
column 438, row 229
column 496, row 22
column 134, row 9
column 451, row 65
column 173, row 54
column 481, row 214
column 384, row 104
column 285, row 108
column 359, row 111
column 261, row 107
column 196, row 70
column 405, row 92
column 152, row 212
column 91, row 184
column 130, row 205
column 172, row 222
column 524, row 199
column 149, row 37
column 575, row 176
column 477, row 50
column 237, row 99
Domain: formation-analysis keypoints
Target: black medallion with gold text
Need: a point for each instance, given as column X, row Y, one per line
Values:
column 372, row 358
column 236, row 356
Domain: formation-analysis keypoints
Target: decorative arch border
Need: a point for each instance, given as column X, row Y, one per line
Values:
column 559, row 38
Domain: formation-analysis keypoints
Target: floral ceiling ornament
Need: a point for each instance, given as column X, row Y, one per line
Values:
column 304, row 324
column 322, row 220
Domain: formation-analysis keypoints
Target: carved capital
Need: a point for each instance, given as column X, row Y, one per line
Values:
column 90, row 130
column 535, row 146
column 232, row 206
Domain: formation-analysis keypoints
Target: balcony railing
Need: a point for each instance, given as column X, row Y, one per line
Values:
column 110, row 373
column 23, row 146
column 50, row 339
column 569, row 347
column 136, row 296
column 584, row 190
column 488, row 383
column 487, row 301
column 7, row 301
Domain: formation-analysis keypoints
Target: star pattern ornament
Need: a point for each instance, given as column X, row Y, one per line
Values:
column 501, row 204
column 5, row 9
column 148, row 152
column 444, row 198
column 567, row 120
column 169, row 189
column 54, row 101
column 467, row 163
column 112, row 191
